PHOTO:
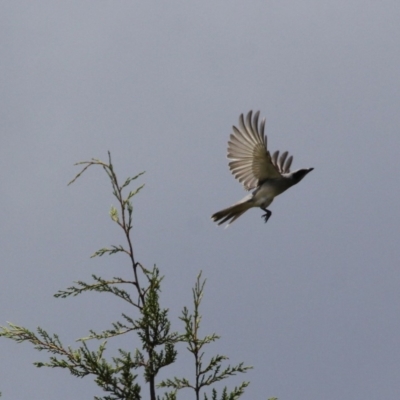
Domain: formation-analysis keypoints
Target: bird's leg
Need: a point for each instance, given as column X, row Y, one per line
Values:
column 266, row 215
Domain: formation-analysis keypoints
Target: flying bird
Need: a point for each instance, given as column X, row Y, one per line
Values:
column 252, row 165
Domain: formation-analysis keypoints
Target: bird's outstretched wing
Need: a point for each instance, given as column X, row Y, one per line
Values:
column 251, row 162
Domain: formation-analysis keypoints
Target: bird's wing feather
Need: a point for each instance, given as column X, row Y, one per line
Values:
column 251, row 161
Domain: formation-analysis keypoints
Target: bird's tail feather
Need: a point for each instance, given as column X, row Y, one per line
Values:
column 231, row 213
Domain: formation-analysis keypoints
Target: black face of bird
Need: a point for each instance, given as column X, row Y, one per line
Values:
column 300, row 174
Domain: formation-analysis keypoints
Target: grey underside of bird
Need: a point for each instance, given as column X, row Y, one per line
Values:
column 262, row 197
column 252, row 165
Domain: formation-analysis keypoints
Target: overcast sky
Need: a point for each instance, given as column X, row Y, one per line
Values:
column 310, row 299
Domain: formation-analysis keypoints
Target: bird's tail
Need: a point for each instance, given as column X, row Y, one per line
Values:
column 231, row 213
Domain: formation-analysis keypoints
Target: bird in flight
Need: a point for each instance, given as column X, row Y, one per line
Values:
column 252, row 165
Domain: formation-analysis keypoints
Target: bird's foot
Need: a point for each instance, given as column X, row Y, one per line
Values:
column 266, row 215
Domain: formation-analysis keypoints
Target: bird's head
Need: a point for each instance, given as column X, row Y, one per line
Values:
column 297, row 176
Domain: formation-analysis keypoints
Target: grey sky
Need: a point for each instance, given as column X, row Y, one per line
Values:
column 311, row 299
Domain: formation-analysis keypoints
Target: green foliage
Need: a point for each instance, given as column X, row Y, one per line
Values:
column 211, row 372
column 115, row 377
column 149, row 321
